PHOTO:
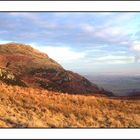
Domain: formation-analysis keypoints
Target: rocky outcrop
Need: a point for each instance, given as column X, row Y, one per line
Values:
column 10, row 78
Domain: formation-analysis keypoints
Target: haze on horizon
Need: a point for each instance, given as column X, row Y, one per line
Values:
column 88, row 43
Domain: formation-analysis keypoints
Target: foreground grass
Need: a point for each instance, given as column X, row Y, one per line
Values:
column 27, row 107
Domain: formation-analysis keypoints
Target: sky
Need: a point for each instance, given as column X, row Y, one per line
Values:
column 84, row 42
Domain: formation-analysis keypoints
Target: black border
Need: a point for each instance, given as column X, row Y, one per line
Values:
column 72, row 12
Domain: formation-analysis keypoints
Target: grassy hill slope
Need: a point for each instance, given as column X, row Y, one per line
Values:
column 29, row 107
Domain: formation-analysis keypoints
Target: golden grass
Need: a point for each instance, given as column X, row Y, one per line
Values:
column 28, row 107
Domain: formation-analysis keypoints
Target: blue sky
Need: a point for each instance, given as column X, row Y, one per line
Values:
column 93, row 42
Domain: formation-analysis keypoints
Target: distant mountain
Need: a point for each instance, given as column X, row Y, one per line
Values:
column 23, row 65
column 120, row 85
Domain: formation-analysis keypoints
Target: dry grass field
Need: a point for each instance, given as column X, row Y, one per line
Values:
column 28, row 107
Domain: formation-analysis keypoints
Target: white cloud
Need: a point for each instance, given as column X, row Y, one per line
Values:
column 119, row 19
column 87, row 28
column 61, row 54
column 135, row 47
column 35, row 19
column 115, row 59
column 65, row 56
column 124, row 43
column 102, row 34
column 109, row 32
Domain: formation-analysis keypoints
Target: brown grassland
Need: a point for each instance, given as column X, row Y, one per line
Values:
column 28, row 107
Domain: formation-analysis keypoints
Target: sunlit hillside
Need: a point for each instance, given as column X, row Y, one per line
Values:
column 28, row 107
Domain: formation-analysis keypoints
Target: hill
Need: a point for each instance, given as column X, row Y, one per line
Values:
column 30, row 107
column 36, row 69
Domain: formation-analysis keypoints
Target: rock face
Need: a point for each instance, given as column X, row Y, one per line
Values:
column 29, row 67
column 10, row 78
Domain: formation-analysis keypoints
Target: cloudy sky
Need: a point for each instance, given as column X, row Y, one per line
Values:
column 95, row 43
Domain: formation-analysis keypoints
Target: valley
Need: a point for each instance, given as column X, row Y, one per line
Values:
column 120, row 85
